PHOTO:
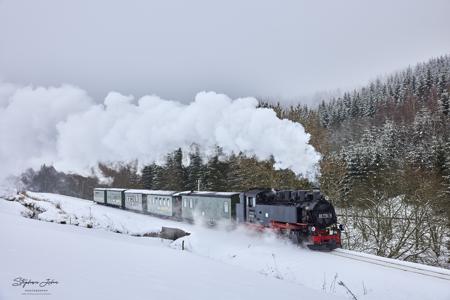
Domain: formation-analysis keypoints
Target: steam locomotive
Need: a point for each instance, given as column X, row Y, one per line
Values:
column 304, row 216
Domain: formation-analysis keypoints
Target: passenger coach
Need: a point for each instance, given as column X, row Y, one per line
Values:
column 209, row 206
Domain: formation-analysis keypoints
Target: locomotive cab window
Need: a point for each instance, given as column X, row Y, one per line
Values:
column 191, row 203
column 225, row 207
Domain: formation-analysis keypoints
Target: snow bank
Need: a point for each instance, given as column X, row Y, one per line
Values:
column 95, row 264
column 86, row 213
column 252, row 253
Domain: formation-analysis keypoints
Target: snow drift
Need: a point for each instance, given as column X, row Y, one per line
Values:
column 63, row 126
column 255, row 259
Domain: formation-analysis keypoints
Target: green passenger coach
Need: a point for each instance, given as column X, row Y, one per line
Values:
column 100, row 195
column 115, row 197
column 163, row 203
column 208, row 207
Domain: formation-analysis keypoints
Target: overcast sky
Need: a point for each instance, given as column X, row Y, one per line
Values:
column 175, row 49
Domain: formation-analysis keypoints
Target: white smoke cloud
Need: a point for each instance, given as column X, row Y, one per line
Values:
column 28, row 118
column 64, row 127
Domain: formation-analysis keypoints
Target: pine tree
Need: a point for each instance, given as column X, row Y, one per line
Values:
column 324, row 116
column 174, row 171
column 347, row 101
column 195, row 172
column 235, row 176
column 216, row 174
column 443, row 94
column 159, row 179
column 147, row 177
column 446, row 174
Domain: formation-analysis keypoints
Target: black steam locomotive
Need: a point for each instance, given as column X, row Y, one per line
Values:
column 305, row 216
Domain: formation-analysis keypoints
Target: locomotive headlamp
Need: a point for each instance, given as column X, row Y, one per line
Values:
column 313, row 228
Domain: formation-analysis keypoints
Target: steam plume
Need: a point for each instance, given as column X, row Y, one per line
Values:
column 65, row 127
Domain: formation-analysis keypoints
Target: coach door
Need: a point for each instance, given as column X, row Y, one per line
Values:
column 250, row 204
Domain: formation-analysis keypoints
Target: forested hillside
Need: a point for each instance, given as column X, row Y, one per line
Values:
column 391, row 136
column 385, row 163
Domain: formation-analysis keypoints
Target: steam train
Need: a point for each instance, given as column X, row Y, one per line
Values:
column 304, row 216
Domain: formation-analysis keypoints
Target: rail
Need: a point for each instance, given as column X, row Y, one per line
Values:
column 391, row 263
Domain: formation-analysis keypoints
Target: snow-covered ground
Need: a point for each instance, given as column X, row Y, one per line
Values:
column 217, row 263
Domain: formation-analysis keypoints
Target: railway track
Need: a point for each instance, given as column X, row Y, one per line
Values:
column 390, row 263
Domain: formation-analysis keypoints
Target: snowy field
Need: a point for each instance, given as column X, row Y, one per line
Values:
column 99, row 263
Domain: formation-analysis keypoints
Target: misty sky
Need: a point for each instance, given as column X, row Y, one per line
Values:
column 175, row 49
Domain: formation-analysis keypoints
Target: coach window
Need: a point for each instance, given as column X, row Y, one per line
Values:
column 225, row 207
column 191, row 204
column 250, row 201
column 185, row 203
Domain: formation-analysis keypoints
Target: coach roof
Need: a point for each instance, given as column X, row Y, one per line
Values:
column 150, row 192
column 207, row 194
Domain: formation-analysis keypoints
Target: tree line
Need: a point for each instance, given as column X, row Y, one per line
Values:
column 216, row 173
